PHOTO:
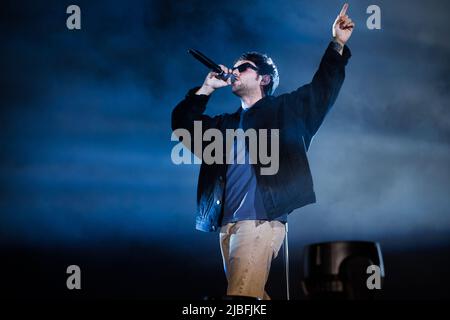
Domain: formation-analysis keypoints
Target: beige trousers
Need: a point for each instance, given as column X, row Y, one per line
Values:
column 248, row 248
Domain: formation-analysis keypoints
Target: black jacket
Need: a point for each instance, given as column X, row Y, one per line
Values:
column 298, row 115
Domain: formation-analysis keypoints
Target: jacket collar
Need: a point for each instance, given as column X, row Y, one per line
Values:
column 258, row 104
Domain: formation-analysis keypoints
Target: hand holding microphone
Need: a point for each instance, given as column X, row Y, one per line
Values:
column 219, row 77
column 214, row 81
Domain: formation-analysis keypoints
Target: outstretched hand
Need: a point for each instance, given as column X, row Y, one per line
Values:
column 343, row 26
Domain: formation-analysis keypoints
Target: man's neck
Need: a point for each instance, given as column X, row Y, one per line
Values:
column 249, row 100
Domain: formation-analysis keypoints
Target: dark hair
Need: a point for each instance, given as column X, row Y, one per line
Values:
column 265, row 66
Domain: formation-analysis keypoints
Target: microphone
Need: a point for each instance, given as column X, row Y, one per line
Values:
column 212, row 65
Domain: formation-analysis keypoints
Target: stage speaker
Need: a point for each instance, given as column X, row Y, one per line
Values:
column 343, row 270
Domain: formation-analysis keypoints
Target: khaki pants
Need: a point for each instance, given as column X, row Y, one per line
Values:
column 248, row 248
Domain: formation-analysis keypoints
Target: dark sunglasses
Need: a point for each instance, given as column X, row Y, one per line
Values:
column 242, row 67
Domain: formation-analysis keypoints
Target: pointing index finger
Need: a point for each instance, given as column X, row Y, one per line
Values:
column 343, row 10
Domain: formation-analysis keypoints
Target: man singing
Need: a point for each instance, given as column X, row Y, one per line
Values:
column 250, row 208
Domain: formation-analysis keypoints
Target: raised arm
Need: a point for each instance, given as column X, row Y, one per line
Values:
column 193, row 106
column 310, row 103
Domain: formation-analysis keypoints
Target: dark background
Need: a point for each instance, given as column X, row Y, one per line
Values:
column 86, row 176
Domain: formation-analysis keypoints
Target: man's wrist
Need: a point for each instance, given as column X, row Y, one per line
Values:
column 337, row 45
column 205, row 90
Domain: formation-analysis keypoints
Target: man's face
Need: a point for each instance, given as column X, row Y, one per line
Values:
column 247, row 81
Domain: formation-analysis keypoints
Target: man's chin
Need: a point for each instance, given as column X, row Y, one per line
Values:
column 236, row 88
column 236, row 91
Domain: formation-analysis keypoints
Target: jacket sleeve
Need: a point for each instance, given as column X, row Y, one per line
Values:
column 311, row 102
column 191, row 109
